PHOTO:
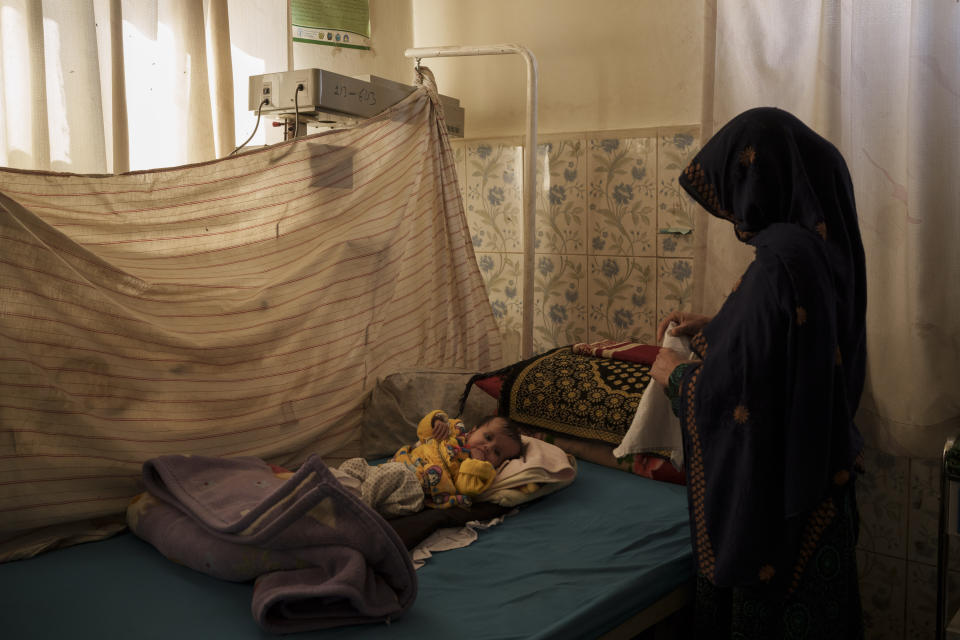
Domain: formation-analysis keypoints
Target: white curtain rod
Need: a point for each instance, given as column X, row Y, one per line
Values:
column 529, row 164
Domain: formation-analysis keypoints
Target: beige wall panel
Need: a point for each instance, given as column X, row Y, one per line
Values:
column 607, row 64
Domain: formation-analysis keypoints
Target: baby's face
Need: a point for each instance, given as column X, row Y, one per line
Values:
column 491, row 443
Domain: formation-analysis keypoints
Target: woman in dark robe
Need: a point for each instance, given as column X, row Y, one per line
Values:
column 767, row 411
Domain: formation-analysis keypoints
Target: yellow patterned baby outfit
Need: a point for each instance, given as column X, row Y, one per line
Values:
column 447, row 473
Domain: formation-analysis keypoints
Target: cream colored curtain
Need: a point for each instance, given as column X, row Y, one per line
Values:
column 103, row 86
column 880, row 79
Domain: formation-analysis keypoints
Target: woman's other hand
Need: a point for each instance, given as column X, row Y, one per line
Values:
column 663, row 366
column 688, row 324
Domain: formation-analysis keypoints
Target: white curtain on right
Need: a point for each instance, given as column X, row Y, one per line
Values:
column 881, row 80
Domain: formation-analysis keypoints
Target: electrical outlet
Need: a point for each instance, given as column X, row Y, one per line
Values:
column 263, row 92
column 302, row 86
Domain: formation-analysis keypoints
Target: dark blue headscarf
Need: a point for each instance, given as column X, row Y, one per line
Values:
column 768, row 416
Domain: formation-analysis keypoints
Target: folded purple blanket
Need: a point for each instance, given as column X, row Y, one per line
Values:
column 321, row 558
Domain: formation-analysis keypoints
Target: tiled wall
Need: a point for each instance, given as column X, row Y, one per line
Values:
column 609, row 258
column 606, row 268
column 899, row 500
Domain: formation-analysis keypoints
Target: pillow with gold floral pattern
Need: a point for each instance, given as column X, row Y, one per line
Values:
column 574, row 394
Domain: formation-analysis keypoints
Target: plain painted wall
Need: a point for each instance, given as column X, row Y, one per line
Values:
column 603, row 64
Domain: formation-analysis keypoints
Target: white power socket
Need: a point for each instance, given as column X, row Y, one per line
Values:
column 280, row 90
column 266, row 94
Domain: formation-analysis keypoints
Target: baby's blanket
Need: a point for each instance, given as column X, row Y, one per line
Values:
column 320, row 557
column 543, row 468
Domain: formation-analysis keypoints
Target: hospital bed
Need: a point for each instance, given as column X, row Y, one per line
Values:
column 610, row 554
column 216, row 289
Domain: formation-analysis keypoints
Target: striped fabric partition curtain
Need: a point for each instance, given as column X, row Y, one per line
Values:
column 241, row 307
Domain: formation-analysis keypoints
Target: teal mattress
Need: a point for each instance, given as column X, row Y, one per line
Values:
column 574, row 564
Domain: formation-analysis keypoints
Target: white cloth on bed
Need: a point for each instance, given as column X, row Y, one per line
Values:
column 449, row 538
column 654, row 426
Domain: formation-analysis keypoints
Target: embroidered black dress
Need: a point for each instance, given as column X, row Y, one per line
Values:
column 767, row 416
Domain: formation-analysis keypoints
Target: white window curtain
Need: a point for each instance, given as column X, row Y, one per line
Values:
column 108, row 86
column 881, row 80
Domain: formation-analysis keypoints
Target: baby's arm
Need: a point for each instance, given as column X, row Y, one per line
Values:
column 436, row 425
column 474, row 477
column 425, row 428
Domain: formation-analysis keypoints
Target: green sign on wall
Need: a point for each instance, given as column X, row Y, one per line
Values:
column 335, row 23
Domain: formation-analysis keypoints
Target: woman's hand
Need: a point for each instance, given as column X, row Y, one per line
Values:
column 663, row 366
column 688, row 324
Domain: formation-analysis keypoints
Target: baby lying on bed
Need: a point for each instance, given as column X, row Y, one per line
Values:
column 449, row 465
column 454, row 464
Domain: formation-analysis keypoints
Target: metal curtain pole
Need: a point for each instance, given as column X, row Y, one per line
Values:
column 529, row 164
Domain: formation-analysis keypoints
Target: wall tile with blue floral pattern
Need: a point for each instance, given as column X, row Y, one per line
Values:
column 494, row 178
column 921, row 618
column 883, row 592
column 674, row 244
column 674, row 285
column 622, row 298
column 675, row 209
column 560, row 301
column 503, row 277
column 622, row 196
column 882, row 501
column 562, row 195
column 924, row 515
